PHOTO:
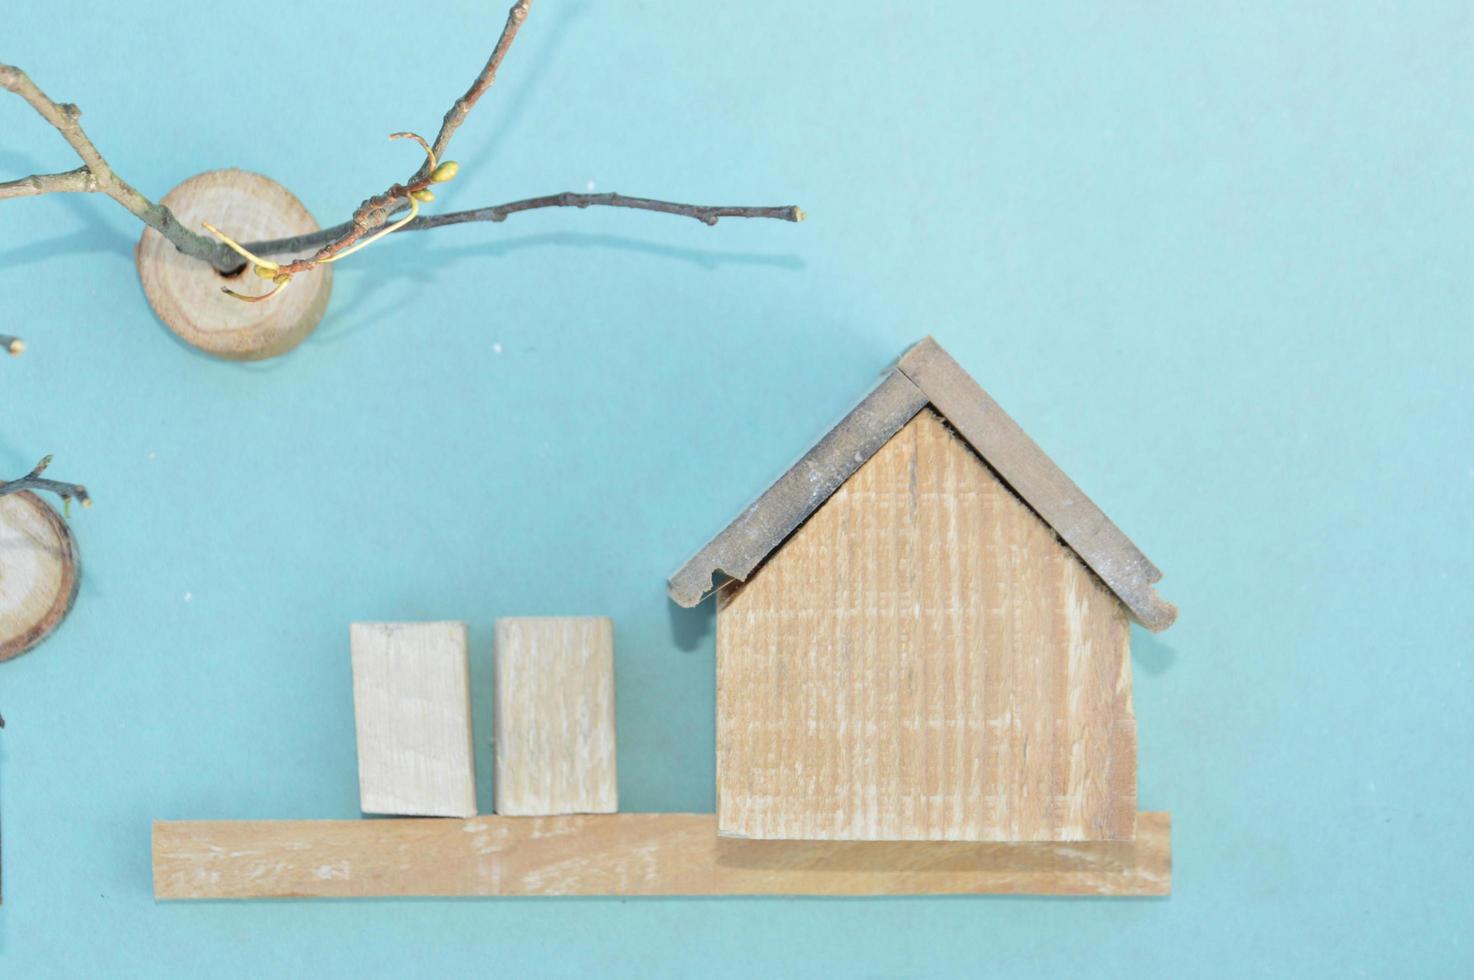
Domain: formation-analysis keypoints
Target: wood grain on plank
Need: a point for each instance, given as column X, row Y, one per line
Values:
column 39, row 572
column 186, row 293
column 555, row 741
column 412, row 711
column 1036, row 478
column 623, row 854
column 924, row 660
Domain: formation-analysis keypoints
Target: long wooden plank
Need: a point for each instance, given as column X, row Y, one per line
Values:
column 924, row 660
column 1042, row 484
column 622, row 854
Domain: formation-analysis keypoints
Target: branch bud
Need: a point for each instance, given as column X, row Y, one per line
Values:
column 446, row 171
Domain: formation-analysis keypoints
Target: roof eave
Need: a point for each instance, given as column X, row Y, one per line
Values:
column 928, row 375
column 1041, row 484
column 800, row 491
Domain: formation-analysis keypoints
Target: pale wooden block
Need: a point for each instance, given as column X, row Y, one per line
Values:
column 623, row 854
column 555, row 746
column 412, row 709
column 924, row 660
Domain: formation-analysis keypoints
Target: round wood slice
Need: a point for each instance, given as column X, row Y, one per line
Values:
column 38, row 572
column 186, row 293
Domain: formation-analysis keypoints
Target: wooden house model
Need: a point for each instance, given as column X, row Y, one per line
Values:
column 923, row 633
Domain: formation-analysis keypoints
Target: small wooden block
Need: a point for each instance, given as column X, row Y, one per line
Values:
column 186, row 293
column 624, row 854
column 555, row 746
column 38, row 572
column 412, row 709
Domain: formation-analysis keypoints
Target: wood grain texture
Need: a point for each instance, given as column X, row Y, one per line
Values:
column 785, row 505
column 624, row 854
column 924, row 660
column 39, row 572
column 555, row 741
column 412, row 711
column 1034, row 477
column 186, row 294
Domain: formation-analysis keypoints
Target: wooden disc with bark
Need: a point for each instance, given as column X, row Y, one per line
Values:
column 187, row 293
column 39, row 572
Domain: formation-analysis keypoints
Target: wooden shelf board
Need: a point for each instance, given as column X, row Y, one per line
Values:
column 622, row 854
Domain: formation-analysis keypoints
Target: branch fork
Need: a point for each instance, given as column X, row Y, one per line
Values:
column 371, row 221
column 35, row 481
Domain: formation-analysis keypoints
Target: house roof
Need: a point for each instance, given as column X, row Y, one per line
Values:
column 927, row 375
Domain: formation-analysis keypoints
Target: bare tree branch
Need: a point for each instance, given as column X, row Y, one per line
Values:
column 35, row 481
column 706, row 214
column 375, row 211
column 73, row 181
column 371, row 217
column 462, row 107
column 97, row 175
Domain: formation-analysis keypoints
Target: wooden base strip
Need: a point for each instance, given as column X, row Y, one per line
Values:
column 623, row 854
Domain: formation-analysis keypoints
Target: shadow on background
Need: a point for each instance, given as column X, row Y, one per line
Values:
column 543, row 59
column 689, row 628
column 1151, row 653
column 352, row 307
column 95, row 236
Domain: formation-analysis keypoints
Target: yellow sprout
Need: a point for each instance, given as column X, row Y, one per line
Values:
column 279, row 283
column 414, row 210
column 418, row 139
column 265, row 268
column 415, row 197
column 240, row 250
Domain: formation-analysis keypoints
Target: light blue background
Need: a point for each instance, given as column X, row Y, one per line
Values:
column 1216, row 258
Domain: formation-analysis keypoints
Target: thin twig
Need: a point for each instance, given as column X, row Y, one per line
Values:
column 35, row 481
column 463, row 106
column 368, row 219
column 73, row 181
column 376, row 211
column 706, row 214
column 98, row 176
